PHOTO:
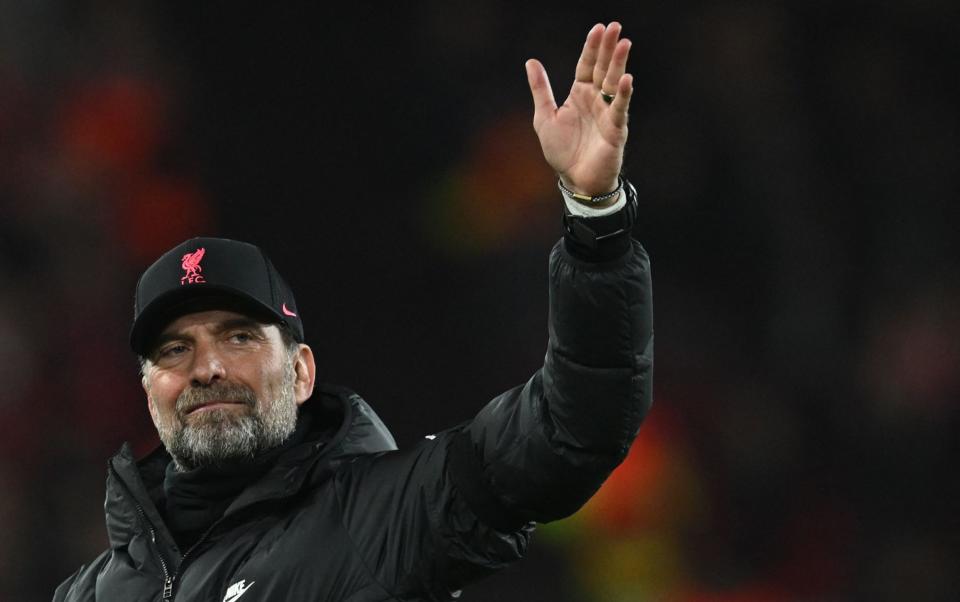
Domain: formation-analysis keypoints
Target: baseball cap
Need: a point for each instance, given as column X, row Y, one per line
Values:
column 206, row 273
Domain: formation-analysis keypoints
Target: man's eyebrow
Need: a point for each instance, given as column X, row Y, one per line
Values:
column 165, row 337
column 247, row 323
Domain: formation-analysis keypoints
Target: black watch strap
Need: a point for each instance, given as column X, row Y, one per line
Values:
column 591, row 232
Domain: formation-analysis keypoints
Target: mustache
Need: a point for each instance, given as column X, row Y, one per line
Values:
column 194, row 397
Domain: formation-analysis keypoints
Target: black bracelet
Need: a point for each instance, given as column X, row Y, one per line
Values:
column 590, row 200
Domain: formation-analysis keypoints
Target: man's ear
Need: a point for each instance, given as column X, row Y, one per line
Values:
column 305, row 371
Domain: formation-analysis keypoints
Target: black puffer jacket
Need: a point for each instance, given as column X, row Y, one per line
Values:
column 344, row 517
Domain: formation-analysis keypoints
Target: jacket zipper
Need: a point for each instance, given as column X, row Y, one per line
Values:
column 167, row 579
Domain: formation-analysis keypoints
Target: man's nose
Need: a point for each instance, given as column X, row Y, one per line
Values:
column 207, row 366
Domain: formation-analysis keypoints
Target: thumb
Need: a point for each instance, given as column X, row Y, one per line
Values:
column 543, row 103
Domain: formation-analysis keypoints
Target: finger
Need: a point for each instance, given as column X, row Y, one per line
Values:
column 607, row 44
column 621, row 102
column 588, row 58
column 543, row 101
column 618, row 65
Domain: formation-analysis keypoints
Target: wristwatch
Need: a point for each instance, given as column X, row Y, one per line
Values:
column 591, row 231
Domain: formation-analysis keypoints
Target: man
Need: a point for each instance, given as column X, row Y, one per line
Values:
column 268, row 490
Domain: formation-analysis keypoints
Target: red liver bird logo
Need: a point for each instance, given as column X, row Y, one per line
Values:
column 191, row 263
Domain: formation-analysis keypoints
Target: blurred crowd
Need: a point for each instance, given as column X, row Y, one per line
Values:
column 796, row 164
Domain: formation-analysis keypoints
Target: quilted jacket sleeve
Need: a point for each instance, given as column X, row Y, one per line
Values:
column 538, row 452
column 463, row 503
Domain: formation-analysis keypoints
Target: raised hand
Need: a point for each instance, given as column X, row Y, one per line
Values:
column 583, row 140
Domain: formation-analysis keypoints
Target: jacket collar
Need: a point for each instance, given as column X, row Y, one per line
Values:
column 344, row 425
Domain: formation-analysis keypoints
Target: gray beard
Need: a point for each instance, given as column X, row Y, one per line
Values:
column 227, row 435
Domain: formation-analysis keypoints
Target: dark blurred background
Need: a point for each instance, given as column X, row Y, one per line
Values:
column 797, row 165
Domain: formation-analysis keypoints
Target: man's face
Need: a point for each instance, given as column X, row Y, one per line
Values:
column 221, row 386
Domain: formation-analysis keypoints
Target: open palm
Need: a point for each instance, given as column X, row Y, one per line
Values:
column 583, row 140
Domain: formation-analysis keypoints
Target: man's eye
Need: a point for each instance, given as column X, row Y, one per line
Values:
column 172, row 350
column 241, row 337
